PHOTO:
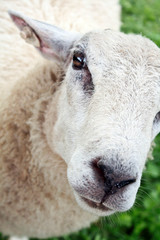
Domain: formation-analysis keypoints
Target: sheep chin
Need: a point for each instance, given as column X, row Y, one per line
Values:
column 93, row 207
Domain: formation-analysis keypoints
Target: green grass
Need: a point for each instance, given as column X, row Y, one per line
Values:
column 143, row 221
column 142, row 16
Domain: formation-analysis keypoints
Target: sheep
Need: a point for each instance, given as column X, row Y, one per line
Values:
column 76, row 127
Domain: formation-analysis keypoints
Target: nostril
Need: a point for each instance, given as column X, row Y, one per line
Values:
column 98, row 170
column 102, row 170
column 106, row 170
column 124, row 183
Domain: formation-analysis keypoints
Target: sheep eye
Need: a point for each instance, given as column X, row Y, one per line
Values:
column 157, row 118
column 79, row 61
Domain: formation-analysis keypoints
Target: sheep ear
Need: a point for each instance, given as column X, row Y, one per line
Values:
column 51, row 41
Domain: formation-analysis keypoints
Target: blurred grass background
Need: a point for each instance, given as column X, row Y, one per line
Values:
column 142, row 222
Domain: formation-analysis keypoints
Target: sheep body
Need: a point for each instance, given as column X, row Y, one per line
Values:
column 36, row 199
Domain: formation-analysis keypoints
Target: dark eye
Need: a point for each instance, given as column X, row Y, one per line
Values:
column 79, row 61
column 157, row 118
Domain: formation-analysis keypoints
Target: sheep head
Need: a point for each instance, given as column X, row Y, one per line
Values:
column 108, row 110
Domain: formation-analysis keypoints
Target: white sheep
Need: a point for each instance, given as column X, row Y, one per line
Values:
column 75, row 132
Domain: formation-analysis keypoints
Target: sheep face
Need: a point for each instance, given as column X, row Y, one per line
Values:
column 107, row 110
column 106, row 120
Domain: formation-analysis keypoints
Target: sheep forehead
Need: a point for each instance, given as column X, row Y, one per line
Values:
column 125, row 66
column 109, row 41
column 113, row 56
column 110, row 48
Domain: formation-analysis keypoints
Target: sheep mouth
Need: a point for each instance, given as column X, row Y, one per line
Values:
column 96, row 205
